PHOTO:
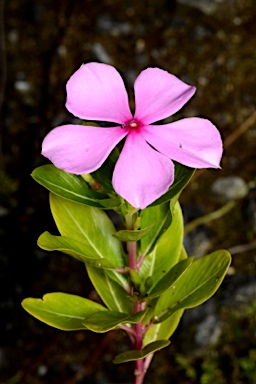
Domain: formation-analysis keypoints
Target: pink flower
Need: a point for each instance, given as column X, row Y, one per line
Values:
column 144, row 170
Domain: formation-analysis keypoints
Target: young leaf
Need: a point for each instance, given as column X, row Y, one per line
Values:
column 167, row 250
column 74, row 248
column 182, row 176
column 90, row 226
column 141, row 354
column 112, row 294
column 161, row 216
column 199, row 282
column 71, row 187
column 61, row 310
column 104, row 322
column 133, row 235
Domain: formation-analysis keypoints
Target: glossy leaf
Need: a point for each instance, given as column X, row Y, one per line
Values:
column 115, row 297
column 161, row 216
column 141, row 354
column 71, row 187
column 199, row 282
column 62, row 310
column 182, row 176
column 133, row 235
column 166, row 252
column 170, row 278
column 74, row 248
column 152, row 301
column 163, row 330
column 90, row 226
column 103, row 322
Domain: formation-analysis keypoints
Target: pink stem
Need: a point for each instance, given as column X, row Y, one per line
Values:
column 139, row 364
column 132, row 252
column 138, row 306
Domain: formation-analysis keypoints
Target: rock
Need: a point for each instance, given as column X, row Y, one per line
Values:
column 208, row 331
column 229, row 188
column 209, row 7
column 101, row 54
column 105, row 24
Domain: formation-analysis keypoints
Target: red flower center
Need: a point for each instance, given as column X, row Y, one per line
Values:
column 132, row 124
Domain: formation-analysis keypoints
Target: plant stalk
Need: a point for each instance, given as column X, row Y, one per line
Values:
column 138, row 306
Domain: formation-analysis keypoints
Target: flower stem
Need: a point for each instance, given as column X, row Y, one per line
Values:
column 138, row 344
column 132, row 251
column 138, row 331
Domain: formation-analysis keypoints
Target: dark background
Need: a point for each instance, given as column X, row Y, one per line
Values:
column 207, row 43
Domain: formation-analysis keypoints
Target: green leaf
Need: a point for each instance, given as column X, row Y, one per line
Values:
column 182, row 176
column 161, row 216
column 133, row 235
column 115, row 297
column 141, row 354
column 104, row 322
column 74, row 248
column 61, row 310
column 71, row 187
column 163, row 330
column 152, row 302
column 170, row 278
column 199, row 282
column 91, row 226
column 167, row 250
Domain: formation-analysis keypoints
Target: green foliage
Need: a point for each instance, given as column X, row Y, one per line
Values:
column 182, row 176
column 164, row 282
column 133, row 235
column 103, row 322
column 248, row 365
column 163, row 330
column 71, row 187
column 115, row 297
column 170, row 278
column 161, row 216
column 196, row 285
column 141, row 354
column 61, row 310
column 166, row 252
column 90, row 226
column 80, row 251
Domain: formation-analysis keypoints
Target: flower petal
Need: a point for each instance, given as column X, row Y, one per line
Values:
column 194, row 142
column 141, row 174
column 158, row 95
column 80, row 149
column 96, row 92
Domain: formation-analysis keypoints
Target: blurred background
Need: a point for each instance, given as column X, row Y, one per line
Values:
column 207, row 43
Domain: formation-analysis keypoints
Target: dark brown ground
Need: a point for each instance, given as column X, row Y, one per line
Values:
column 43, row 43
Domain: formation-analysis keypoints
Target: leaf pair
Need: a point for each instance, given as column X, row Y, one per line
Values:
column 74, row 188
column 187, row 285
column 193, row 287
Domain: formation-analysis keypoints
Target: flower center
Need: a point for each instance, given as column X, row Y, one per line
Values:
column 132, row 124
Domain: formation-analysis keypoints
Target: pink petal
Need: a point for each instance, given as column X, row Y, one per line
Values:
column 80, row 149
column 141, row 174
column 158, row 95
column 97, row 92
column 194, row 142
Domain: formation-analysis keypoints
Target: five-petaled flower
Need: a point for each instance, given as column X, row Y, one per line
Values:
column 144, row 171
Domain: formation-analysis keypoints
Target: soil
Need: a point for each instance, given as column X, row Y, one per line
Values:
column 207, row 44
